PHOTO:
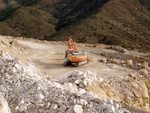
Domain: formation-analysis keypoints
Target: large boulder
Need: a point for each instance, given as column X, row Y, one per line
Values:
column 4, row 108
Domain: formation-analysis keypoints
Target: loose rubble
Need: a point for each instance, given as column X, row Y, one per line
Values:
column 120, row 49
column 28, row 91
column 125, row 63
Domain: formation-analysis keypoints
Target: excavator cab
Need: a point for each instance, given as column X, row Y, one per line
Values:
column 73, row 56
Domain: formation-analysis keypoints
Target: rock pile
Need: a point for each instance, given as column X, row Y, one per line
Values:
column 125, row 63
column 4, row 108
column 120, row 49
column 27, row 91
column 80, row 78
column 130, row 89
column 18, row 45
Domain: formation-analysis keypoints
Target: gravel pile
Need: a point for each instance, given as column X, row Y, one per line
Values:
column 27, row 91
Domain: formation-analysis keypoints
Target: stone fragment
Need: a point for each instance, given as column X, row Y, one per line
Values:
column 62, row 108
column 145, row 65
column 143, row 72
column 104, row 60
column 39, row 96
column 77, row 81
column 77, row 109
column 55, row 106
column 129, row 62
column 23, row 108
column 84, row 83
column 125, row 51
column 134, row 85
column 83, row 102
column 125, row 111
column 21, row 102
column 4, row 108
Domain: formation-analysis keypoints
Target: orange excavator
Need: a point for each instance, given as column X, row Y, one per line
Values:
column 73, row 56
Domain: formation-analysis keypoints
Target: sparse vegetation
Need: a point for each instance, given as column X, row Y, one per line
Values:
column 124, row 23
column 7, row 13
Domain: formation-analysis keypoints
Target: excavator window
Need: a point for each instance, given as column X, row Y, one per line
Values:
column 76, row 53
column 71, row 52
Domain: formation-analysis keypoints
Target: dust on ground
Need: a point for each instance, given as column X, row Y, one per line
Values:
column 49, row 58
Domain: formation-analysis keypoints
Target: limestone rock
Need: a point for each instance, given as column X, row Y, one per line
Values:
column 83, row 102
column 129, row 62
column 4, row 108
column 62, row 108
column 39, row 96
column 134, row 85
column 77, row 109
column 28, row 91
column 23, row 108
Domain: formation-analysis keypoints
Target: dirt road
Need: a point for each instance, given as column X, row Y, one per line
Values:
column 49, row 58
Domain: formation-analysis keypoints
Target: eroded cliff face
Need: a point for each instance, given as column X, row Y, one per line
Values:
column 148, row 88
column 129, row 91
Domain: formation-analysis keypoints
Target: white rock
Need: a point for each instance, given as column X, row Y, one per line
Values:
column 125, row 51
column 77, row 81
column 110, row 108
column 4, row 108
column 103, row 106
column 77, row 109
column 23, row 108
column 42, row 95
column 125, row 111
column 116, row 106
column 39, row 97
column 83, row 102
column 55, row 106
column 21, row 102
column 62, row 108
column 17, row 108
column 84, row 83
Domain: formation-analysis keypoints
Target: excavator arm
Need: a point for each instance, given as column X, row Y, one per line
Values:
column 72, row 45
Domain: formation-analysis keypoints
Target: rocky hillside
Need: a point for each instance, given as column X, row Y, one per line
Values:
column 93, row 21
